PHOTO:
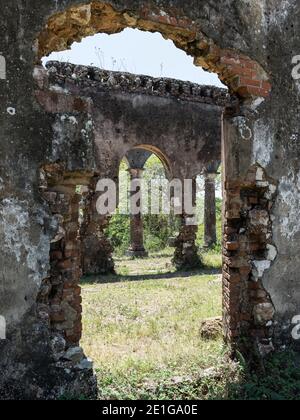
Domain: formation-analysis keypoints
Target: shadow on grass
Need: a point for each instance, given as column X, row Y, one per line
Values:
column 158, row 254
column 121, row 278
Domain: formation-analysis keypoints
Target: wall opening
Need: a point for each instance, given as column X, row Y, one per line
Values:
column 209, row 214
column 245, row 200
column 244, row 76
column 136, row 52
column 143, row 233
column 129, row 322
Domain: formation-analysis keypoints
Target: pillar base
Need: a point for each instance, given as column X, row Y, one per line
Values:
column 137, row 254
column 186, row 255
column 187, row 258
column 97, row 256
column 210, row 245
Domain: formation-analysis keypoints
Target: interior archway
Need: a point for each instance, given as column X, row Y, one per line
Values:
column 141, row 171
column 159, row 154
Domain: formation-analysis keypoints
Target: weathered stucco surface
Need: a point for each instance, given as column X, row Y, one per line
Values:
column 263, row 132
column 169, row 116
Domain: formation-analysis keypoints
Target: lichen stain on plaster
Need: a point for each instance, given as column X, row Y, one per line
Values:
column 71, row 118
column 15, row 224
column 244, row 127
column 262, row 13
column 276, row 14
column 289, row 204
column 282, row 12
column 297, row 83
column 65, row 134
column 263, row 143
column 64, row 128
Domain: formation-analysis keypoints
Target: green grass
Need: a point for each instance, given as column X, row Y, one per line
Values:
column 149, row 321
column 277, row 379
column 141, row 328
column 212, row 258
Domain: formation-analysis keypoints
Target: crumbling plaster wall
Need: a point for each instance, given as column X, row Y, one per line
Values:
column 176, row 129
column 267, row 134
column 125, row 116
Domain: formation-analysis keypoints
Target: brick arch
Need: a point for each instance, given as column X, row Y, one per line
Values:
column 239, row 72
column 161, row 156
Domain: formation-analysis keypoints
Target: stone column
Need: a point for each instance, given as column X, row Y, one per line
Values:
column 136, row 248
column 60, row 294
column 59, row 302
column 210, row 218
column 186, row 253
column 96, row 248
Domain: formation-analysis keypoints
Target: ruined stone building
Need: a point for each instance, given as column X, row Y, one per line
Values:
column 132, row 116
column 69, row 125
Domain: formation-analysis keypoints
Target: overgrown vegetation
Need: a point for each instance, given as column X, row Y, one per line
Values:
column 141, row 328
column 277, row 379
column 159, row 228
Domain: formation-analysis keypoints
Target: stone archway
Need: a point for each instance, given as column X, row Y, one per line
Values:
column 249, row 191
column 157, row 152
column 136, row 159
column 245, row 77
column 186, row 255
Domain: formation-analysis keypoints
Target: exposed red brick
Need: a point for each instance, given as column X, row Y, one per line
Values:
column 232, row 246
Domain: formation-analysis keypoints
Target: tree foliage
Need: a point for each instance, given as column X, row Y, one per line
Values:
column 158, row 229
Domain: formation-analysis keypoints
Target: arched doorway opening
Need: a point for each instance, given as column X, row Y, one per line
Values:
column 143, row 170
column 239, row 312
column 209, row 214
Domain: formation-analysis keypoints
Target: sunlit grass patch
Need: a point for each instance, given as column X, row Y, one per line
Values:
column 142, row 331
column 146, row 326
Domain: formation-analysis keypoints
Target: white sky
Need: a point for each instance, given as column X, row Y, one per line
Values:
column 136, row 52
